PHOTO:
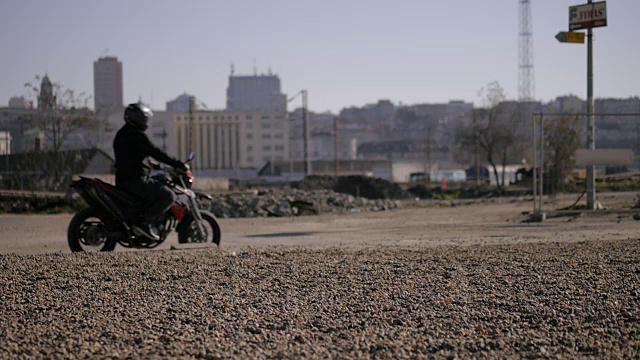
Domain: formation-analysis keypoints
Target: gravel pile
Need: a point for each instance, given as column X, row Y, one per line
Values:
column 293, row 202
column 531, row 300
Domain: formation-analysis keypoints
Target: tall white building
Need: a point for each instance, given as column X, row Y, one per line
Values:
column 107, row 84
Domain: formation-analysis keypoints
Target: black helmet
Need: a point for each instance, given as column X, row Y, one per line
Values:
column 137, row 115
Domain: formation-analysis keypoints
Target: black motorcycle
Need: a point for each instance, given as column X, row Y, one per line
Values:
column 107, row 220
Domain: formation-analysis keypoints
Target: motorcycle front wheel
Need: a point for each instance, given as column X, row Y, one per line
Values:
column 88, row 233
column 189, row 233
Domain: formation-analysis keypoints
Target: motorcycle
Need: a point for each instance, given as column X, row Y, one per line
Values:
column 107, row 220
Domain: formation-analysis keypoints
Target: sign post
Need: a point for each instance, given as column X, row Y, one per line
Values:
column 587, row 16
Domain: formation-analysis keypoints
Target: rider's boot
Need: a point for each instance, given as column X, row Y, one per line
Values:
column 145, row 229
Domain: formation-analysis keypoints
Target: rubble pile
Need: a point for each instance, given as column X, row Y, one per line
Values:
column 357, row 185
column 292, row 202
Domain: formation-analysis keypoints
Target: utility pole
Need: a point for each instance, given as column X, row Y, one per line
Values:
column 335, row 150
column 190, row 140
column 428, row 175
column 475, row 148
column 591, row 143
column 305, row 118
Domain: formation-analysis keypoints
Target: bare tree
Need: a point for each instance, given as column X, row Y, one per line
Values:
column 496, row 133
column 60, row 114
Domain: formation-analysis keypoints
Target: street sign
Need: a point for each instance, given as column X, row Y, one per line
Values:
column 588, row 16
column 570, row 37
column 618, row 157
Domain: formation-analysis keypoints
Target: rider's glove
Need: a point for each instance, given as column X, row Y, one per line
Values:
column 181, row 166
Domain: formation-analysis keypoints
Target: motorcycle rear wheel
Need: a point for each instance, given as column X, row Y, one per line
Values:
column 88, row 232
column 189, row 230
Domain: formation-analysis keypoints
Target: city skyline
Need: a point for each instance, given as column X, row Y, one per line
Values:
column 344, row 55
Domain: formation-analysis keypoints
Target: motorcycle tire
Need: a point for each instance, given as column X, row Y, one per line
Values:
column 188, row 232
column 85, row 230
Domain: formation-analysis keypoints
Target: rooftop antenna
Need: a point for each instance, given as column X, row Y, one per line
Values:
column 255, row 70
column 105, row 52
column 269, row 69
column 233, row 69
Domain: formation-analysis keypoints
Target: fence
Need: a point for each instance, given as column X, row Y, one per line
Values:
column 623, row 137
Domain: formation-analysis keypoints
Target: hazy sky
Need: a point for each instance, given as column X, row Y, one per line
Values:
column 344, row 52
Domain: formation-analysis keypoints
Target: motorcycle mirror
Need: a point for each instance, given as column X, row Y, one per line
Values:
column 191, row 156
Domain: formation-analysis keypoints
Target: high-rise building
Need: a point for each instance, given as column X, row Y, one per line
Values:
column 107, row 84
column 256, row 93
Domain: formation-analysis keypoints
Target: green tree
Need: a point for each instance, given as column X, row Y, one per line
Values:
column 562, row 139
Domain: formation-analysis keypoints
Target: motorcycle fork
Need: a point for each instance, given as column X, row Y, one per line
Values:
column 195, row 211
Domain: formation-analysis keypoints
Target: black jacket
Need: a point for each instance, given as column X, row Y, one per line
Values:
column 131, row 147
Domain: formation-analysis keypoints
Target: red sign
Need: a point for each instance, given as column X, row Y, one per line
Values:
column 588, row 16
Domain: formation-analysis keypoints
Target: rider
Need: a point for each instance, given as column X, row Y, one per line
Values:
column 132, row 146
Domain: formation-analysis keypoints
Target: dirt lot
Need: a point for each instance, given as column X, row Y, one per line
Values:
column 440, row 280
column 464, row 222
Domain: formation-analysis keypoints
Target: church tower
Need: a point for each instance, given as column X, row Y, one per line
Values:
column 46, row 100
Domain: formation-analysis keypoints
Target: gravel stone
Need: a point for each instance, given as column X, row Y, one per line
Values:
column 556, row 300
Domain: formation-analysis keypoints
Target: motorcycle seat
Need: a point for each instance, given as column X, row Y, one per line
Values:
column 123, row 195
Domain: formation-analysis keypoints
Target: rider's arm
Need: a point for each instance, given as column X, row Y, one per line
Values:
column 155, row 152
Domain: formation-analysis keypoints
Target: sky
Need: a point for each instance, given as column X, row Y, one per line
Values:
column 344, row 53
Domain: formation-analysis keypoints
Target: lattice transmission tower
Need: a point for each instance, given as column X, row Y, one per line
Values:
column 526, row 84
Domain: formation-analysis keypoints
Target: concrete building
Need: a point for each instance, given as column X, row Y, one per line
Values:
column 16, row 102
column 5, row 143
column 228, row 139
column 107, row 84
column 260, row 93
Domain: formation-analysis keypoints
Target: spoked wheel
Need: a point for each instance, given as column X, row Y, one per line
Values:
column 88, row 232
column 189, row 232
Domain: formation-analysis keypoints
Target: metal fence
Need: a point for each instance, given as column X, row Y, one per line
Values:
column 631, row 141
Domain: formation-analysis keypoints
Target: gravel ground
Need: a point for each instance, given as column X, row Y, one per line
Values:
column 565, row 300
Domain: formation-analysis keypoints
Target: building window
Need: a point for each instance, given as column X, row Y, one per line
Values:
column 249, row 117
column 249, row 159
column 249, row 148
column 279, row 147
column 249, row 136
column 266, row 158
column 266, row 148
column 279, row 158
column 278, row 136
column 237, row 117
column 266, row 126
column 266, row 136
column 177, row 118
column 265, row 117
column 249, row 126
